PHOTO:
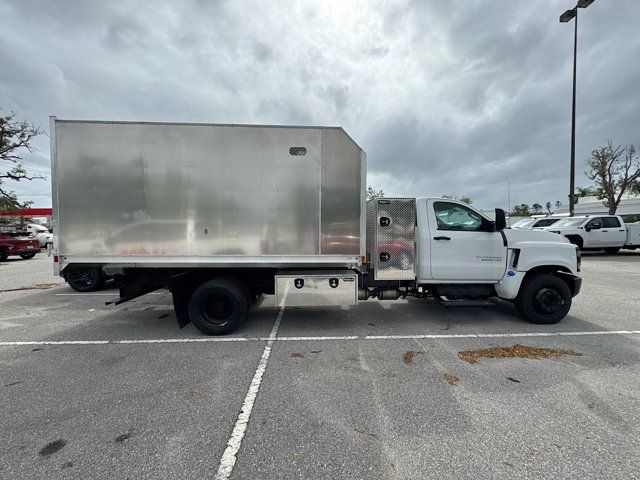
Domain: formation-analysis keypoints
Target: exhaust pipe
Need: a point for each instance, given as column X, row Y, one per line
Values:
column 363, row 293
column 392, row 294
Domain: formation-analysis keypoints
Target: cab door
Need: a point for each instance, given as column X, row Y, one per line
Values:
column 614, row 234
column 462, row 247
column 594, row 235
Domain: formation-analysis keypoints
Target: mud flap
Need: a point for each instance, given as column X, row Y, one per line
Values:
column 181, row 290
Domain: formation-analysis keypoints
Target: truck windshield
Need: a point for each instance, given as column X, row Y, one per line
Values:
column 570, row 222
column 524, row 223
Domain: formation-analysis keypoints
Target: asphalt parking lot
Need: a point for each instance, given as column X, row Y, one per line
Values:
column 378, row 391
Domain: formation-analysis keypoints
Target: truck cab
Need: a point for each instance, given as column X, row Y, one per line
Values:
column 462, row 254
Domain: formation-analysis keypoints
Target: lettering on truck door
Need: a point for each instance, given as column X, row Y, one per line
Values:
column 461, row 247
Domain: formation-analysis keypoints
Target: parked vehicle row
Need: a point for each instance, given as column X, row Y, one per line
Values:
column 602, row 232
column 18, row 246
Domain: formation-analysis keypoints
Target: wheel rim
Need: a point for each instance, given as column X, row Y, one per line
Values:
column 83, row 278
column 217, row 309
column 548, row 301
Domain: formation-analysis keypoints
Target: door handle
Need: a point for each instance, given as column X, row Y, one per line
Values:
column 442, row 238
column 605, row 231
column 621, row 230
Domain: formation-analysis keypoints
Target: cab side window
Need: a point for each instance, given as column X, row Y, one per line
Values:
column 611, row 222
column 452, row 216
column 594, row 221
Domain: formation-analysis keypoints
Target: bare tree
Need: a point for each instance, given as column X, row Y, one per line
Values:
column 614, row 171
column 14, row 136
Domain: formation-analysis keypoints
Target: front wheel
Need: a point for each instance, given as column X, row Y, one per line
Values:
column 85, row 280
column 218, row 306
column 27, row 256
column 544, row 299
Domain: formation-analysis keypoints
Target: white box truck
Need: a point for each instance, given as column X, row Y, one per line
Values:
column 220, row 214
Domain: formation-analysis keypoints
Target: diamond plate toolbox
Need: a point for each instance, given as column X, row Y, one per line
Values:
column 316, row 288
column 391, row 232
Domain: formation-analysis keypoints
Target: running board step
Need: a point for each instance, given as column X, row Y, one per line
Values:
column 466, row 303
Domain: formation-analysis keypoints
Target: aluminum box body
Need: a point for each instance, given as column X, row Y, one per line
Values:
column 391, row 241
column 315, row 289
column 205, row 194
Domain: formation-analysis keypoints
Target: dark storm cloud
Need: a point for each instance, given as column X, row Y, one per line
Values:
column 458, row 97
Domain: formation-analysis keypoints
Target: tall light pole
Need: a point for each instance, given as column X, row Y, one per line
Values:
column 564, row 18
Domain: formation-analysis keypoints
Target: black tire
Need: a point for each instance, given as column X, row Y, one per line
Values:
column 612, row 251
column 544, row 299
column 217, row 307
column 85, row 280
column 3, row 256
column 27, row 256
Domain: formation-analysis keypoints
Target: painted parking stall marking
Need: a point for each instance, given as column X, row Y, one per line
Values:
column 229, row 457
column 451, row 336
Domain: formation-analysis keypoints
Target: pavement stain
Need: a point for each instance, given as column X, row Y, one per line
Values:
column 124, row 436
column 450, row 379
column 52, row 447
column 409, row 356
column 362, row 431
column 516, row 350
column 297, row 355
column 67, row 465
column 39, row 286
column 192, row 392
column 11, row 384
column 164, row 315
column 514, row 380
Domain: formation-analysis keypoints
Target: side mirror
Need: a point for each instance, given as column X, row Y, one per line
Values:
column 501, row 221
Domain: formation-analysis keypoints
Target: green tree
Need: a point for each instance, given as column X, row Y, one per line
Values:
column 558, row 204
column 615, row 171
column 14, row 137
column 521, row 210
column 587, row 192
column 548, row 207
column 373, row 193
column 537, row 208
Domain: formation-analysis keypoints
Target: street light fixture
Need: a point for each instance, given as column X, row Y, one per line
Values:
column 564, row 18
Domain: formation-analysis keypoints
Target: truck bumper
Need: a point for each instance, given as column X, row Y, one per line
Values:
column 577, row 284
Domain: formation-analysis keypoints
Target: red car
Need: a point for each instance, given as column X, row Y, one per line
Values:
column 23, row 247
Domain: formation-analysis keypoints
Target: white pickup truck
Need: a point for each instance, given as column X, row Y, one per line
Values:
column 603, row 232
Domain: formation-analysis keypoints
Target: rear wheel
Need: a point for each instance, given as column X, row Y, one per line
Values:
column 85, row 280
column 3, row 256
column 27, row 256
column 544, row 299
column 218, row 306
column 611, row 251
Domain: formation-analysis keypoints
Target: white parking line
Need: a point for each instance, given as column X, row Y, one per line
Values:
column 229, row 456
column 319, row 339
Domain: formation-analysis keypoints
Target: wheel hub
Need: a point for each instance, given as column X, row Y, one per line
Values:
column 548, row 301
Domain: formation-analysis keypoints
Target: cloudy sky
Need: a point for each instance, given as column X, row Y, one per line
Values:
column 445, row 96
